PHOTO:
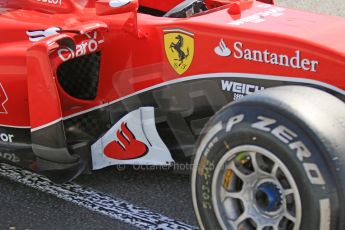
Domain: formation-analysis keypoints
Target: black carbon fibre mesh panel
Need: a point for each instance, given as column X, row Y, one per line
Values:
column 79, row 76
column 87, row 127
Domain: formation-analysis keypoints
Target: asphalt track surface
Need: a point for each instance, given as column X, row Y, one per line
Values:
column 146, row 198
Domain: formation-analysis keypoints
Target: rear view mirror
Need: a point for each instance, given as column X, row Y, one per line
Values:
column 109, row 7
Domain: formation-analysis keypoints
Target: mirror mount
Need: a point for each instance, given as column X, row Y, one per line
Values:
column 113, row 7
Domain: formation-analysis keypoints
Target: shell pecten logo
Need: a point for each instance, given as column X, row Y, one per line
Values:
column 239, row 51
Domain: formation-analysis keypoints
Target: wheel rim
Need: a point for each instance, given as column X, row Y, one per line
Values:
column 253, row 189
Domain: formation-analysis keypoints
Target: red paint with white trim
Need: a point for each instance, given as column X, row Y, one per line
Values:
column 267, row 40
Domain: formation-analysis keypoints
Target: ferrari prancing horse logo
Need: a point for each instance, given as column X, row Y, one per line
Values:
column 179, row 48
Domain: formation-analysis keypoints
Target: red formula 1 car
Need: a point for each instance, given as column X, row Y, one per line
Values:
column 251, row 92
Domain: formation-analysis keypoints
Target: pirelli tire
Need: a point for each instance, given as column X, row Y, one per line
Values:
column 274, row 160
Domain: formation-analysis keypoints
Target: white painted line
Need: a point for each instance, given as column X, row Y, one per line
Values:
column 17, row 127
column 46, row 125
column 199, row 77
column 213, row 76
column 95, row 201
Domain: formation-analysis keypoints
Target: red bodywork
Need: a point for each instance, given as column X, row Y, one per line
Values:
column 133, row 57
column 237, row 38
